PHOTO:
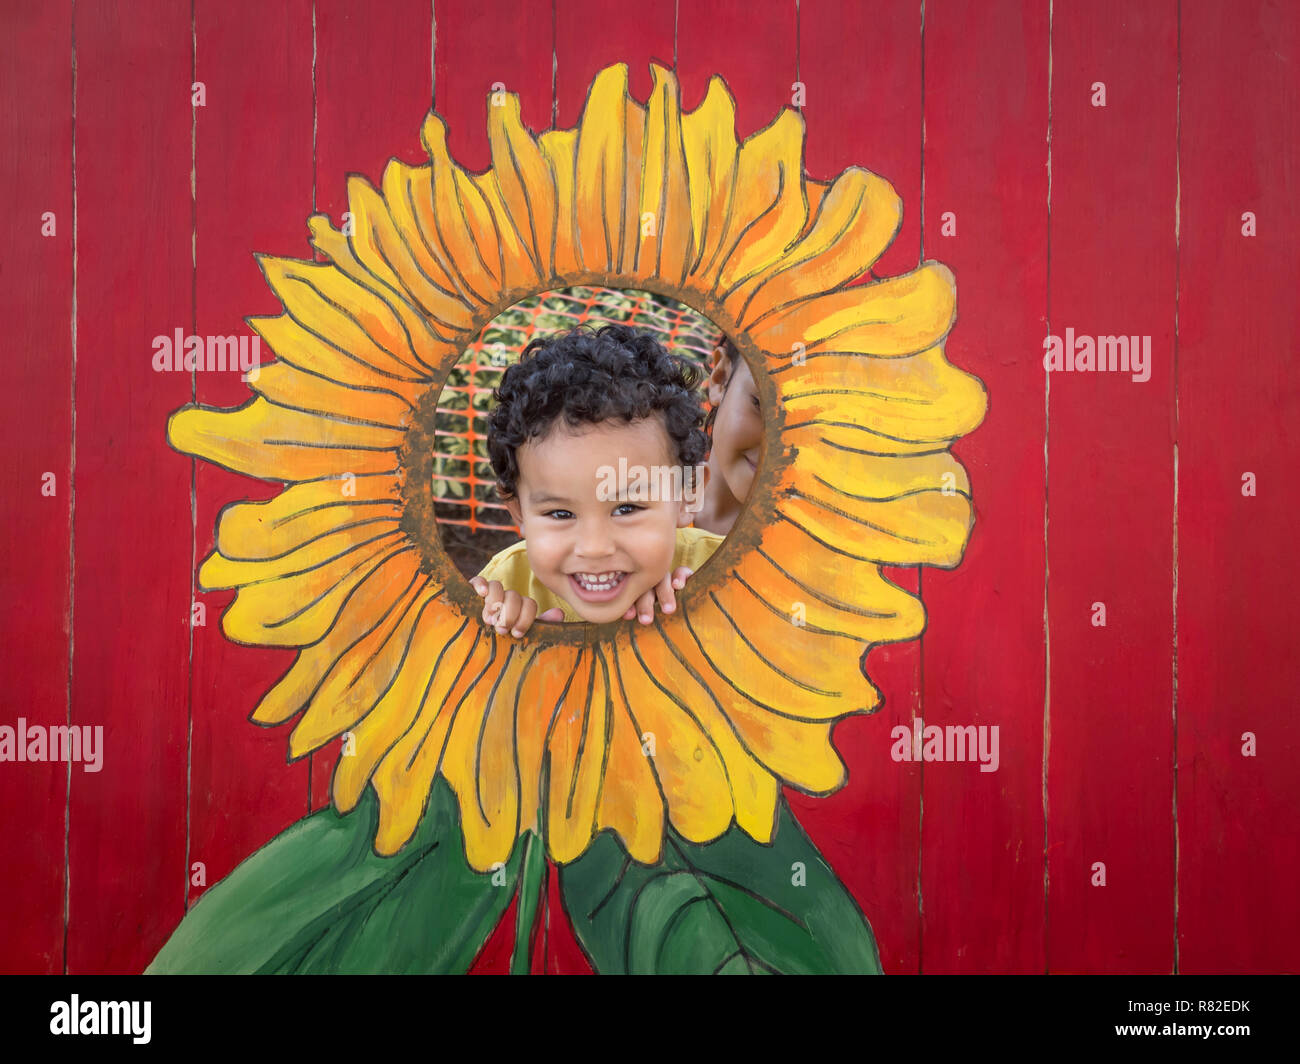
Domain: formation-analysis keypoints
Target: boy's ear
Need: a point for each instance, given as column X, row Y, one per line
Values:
column 718, row 375
column 516, row 513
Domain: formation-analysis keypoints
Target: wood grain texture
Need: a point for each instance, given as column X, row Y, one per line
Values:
column 1101, row 758
column 1238, row 407
column 253, row 190
column 133, row 527
column 875, row 125
column 587, row 41
column 36, row 428
column 1111, row 271
column 374, row 85
column 982, row 839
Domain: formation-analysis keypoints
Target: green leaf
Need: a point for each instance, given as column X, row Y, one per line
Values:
column 733, row 906
column 318, row 899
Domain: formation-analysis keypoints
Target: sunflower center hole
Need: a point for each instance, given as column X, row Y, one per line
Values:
column 478, row 516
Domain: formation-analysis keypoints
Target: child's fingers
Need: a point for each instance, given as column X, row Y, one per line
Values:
column 527, row 611
column 479, row 585
column 553, row 614
column 493, row 602
column 663, row 591
column 680, row 576
column 645, row 606
column 510, row 607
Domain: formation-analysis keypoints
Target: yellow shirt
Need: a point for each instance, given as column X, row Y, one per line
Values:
column 694, row 547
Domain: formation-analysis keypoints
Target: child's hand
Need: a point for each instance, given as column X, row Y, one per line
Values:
column 663, row 591
column 509, row 611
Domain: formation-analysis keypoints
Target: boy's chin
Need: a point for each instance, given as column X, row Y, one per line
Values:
column 600, row 612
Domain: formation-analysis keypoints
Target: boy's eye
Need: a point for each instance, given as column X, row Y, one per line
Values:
column 628, row 507
column 756, row 404
column 559, row 515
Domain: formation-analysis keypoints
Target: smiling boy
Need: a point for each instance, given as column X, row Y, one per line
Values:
column 595, row 548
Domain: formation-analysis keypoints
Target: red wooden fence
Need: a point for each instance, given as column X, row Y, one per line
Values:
column 1120, row 745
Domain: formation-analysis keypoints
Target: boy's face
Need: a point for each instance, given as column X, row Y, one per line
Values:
column 598, row 549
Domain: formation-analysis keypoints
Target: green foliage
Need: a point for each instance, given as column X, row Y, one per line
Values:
column 733, row 906
column 318, row 899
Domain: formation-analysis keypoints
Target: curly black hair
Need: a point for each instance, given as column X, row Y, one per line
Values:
column 587, row 377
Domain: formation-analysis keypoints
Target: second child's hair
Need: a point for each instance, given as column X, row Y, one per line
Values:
column 584, row 378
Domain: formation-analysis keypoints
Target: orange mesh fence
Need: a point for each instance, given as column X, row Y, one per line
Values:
column 463, row 481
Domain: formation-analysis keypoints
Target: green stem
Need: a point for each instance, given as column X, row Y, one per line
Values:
column 530, row 882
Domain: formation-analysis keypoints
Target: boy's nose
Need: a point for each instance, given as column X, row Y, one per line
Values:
column 595, row 541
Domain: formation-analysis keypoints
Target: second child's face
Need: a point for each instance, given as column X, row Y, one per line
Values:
column 737, row 426
column 598, row 553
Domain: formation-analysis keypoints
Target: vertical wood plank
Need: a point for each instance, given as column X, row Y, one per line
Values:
column 753, row 45
column 861, row 66
column 253, row 162
column 587, row 41
column 374, row 86
column 983, row 649
column 494, row 43
column 133, row 530
column 1110, row 493
column 483, row 45
column 1238, row 408
column 36, row 428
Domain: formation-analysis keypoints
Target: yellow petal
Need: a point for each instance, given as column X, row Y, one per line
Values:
column 435, row 644
column 896, row 316
column 454, row 220
column 287, row 386
column 517, row 268
column 559, row 148
column 434, row 322
column 630, row 803
column 577, row 747
column 271, row 442
column 687, row 765
column 919, row 397
column 298, row 608
column 364, row 673
column 709, row 140
column 768, row 209
column 773, row 661
column 524, row 180
column 798, row 751
column 836, row 592
column 550, row 678
column 301, row 348
column 607, row 188
column 753, row 789
column 858, row 218
column 664, row 250
column 926, row 529
column 855, row 406
column 407, row 195
column 304, row 513
column 362, row 612
column 403, row 778
column 331, row 305
column 479, row 764
column 858, row 482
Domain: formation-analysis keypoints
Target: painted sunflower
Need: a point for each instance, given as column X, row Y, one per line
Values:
column 742, row 686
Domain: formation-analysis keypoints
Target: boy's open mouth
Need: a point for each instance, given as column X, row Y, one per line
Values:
column 597, row 587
